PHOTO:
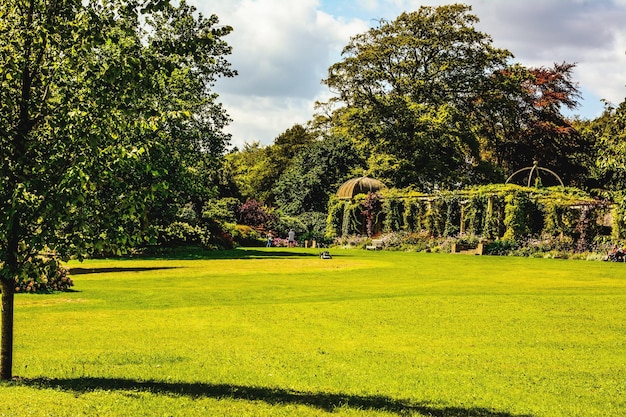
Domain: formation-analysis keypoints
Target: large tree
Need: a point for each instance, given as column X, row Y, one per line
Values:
column 95, row 96
column 521, row 121
column 407, row 88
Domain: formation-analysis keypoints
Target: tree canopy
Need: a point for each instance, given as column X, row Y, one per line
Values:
column 407, row 86
column 430, row 102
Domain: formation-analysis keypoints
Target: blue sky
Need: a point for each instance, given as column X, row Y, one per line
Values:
column 283, row 48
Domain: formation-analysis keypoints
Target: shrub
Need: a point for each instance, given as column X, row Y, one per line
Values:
column 254, row 213
column 243, row 235
column 501, row 247
column 222, row 210
column 183, row 234
column 283, row 224
column 313, row 226
column 187, row 214
column 46, row 276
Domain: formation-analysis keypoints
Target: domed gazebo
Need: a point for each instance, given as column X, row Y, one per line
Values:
column 361, row 185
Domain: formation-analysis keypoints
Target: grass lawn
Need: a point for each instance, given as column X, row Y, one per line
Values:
column 278, row 332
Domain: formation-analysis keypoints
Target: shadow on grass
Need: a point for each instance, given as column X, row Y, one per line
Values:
column 82, row 271
column 240, row 253
column 274, row 396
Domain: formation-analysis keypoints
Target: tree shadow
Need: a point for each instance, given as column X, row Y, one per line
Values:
column 83, row 271
column 239, row 253
column 274, row 396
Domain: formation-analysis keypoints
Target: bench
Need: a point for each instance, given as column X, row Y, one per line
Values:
column 468, row 249
column 377, row 244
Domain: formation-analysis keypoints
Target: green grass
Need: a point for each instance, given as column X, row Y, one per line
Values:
column 283, row 333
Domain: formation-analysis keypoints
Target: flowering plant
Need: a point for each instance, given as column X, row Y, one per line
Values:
column 282, row 243
column 50, row 277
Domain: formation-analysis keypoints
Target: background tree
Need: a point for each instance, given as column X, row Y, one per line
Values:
column 256, row 168
column 187, row 60
column 252, row 171
column 609, row 133
column 91, row 105
column 520, row 117
column 407, row 87
column 289, row 143
column 315, row 174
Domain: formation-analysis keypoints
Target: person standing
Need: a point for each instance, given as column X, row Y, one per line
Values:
column 291, row 238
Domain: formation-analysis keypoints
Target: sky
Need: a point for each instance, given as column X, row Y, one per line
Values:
column 282, row 49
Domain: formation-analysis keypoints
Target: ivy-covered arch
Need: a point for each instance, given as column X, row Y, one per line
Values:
column 496, row 211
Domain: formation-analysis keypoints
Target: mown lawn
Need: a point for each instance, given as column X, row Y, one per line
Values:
column 276, row 332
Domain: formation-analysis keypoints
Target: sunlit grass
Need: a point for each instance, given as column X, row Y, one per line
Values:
column 275, row 332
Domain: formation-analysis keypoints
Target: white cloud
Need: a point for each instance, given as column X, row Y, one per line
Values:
column 262, row 118
column 282, row 50
column 590, row 34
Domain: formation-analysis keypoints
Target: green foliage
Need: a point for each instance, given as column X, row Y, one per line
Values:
column 619, row 215
column 453, row 217
column 44, row 275
column 314, row 226
column 255, row 169
column 351, row 221
column 516, row 216
column 394, row 210
column 494, row 212
column 413, row 212
column 475, row 214
column 221, row 210
column 288, row 145
column 316, row 174
column 334, row 220
column 183, row 234
column 284, row 223
column 245, row 235
column 408, row 86
column 492, row 222
column 609, row 133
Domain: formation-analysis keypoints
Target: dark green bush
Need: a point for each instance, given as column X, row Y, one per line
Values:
column 45, row 276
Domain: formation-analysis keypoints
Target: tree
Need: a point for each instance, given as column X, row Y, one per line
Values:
column 92, row 102
column 315, row 174
column 609, row 133
column 521, row 118
column 252, row 171
column 408, row 87
column 289, row 143
column 257, row 168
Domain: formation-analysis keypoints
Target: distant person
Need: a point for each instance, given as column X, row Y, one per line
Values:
column 617, row 254
column 270, row 239
column 291, row 238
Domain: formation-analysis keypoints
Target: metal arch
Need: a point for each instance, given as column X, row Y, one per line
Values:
column 530, row 175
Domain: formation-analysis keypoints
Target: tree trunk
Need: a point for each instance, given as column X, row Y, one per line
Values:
column 6, row 353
